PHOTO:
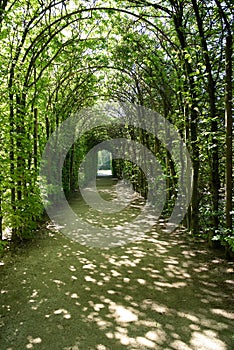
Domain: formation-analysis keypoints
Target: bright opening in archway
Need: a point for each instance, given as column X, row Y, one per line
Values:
column 104, row 166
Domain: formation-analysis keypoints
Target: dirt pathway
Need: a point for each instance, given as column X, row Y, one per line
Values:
column 163, row 292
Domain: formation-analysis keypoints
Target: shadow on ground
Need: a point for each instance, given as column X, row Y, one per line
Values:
column 162, row 292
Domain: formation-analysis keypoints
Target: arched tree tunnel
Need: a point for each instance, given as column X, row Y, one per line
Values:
column 139, row 259
column 61, row 57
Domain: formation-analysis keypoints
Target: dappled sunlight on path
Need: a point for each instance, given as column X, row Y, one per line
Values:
column 116, row 215
column 161, row 292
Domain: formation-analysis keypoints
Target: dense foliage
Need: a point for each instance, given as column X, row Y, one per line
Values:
column 174, row 57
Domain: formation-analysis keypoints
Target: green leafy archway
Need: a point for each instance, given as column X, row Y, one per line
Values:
column 58, row 57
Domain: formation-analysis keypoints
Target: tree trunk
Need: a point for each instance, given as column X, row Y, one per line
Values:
column 228, row 114
column 12, row 159
column 194, row 208
column 228, row 120
column 215, row 179
column 35, row 137
column 71, row 170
